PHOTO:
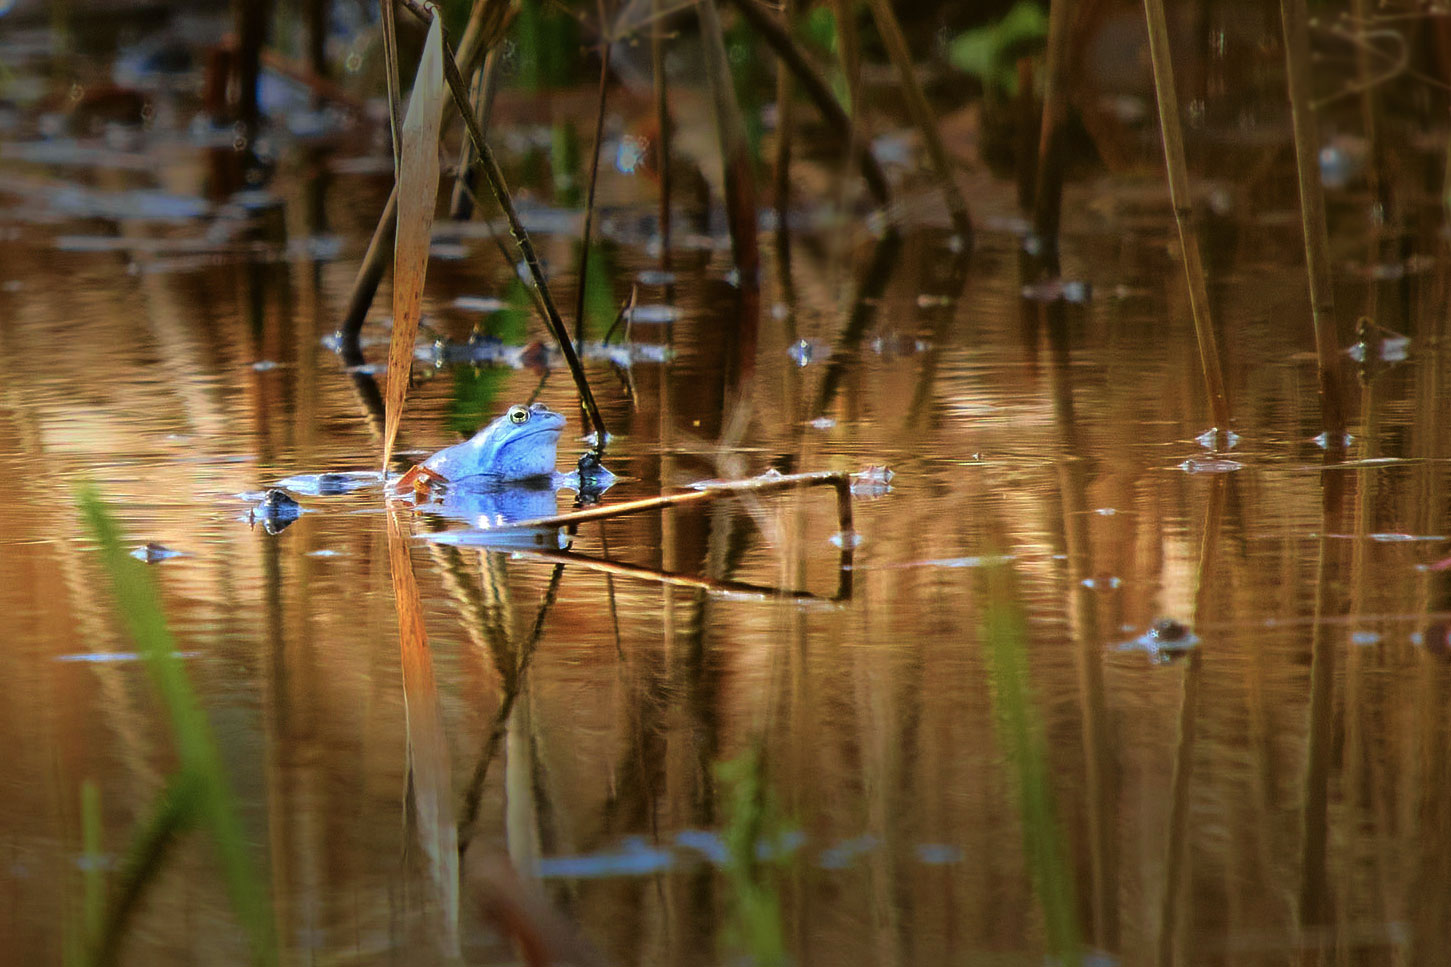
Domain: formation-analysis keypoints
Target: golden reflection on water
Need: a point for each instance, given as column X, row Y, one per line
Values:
column 1280, row 792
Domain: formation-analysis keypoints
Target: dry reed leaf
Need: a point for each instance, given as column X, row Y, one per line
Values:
column 417, row 193
column 429, row 768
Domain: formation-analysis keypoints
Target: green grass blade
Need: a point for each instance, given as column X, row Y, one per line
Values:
column 93, row 884
column 140, row 606
column 1021, row 739
column 174, row 812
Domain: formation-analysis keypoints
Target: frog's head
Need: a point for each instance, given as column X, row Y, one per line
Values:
column 518, row 445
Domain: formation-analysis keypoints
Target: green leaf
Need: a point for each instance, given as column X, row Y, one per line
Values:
column 990, row 53
column 201, row 771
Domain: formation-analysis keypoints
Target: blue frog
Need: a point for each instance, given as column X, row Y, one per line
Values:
column 520, row 445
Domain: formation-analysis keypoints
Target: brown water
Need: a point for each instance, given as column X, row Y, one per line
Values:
column 1280, row 794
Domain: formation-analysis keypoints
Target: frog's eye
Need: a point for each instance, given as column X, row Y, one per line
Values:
column 518, row 414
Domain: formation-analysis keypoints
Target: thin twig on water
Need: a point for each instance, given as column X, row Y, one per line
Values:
column 835, row 479
column 1163, row 70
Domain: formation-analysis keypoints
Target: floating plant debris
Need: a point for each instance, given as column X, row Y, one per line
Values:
column 493, row 352
column 330, row 484
column 1391, row 348
column 1055, row 290
column 479, row 303
column 1210, row 465
column 655, row 277
column 1165, row 640
column 154, row 553
column 872, row 482
column 652, row 313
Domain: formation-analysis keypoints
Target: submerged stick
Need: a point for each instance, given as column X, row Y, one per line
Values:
column 1163, row 70
column 921, row 113
column 836, row 479
column 1312, row 213
column 500, row 190
column 365, row 283
column 820, row 93
column 736, row 589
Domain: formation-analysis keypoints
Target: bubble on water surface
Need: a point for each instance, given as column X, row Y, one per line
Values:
column 1216, row 439
column 801, row 352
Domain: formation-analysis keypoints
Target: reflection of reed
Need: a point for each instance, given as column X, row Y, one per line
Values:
column 430, row 786
column 1099, row 741
column 1172, row 909
column 863, row 312
column 512, row 673
column 1314, row 898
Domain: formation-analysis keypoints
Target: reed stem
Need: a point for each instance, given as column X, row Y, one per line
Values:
column 500, row 190
column 1163, row 70
column 662, row 120
column 921, row 114
column 785, row 130
column 740, row 188
column 594, row 174
column 486, row 25
column 1312, row 215
column 816, row 88
column 391, row 71
column 1048, row 184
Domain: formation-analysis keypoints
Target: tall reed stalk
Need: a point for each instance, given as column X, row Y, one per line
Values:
column 495, row 177
column 793, row 59
column 1163, row 70
column 921, row 114
column 1048, row 185
column 1312, row 215
column 740, row 186
column 662, row 120
column 606, row 42
column 391, row 74
column 785, row 131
